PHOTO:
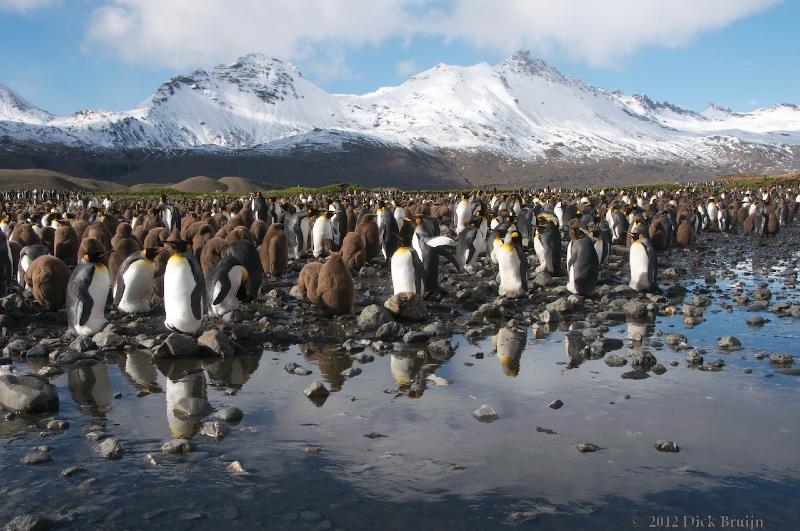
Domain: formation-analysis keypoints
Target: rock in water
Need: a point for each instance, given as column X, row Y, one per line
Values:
column 373, row 316
column 667, row 446
column 29, row 522
column 27, row 393
column 555, row 404
column 584, row 447
column 178, row 446
column 485, row 413
column 37, row 456
column 217, row 342
column 111, row 448
column 229, row 414
column 214, row 430
column 729, row 343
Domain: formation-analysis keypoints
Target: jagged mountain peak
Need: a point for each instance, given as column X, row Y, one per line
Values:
column 15, row 108
column 524, row 62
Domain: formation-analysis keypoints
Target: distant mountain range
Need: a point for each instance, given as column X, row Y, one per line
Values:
column 518, row 122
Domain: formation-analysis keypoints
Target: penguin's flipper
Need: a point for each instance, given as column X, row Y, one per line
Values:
column 419, row 273
column 82, row 301
column 652, row 264
column 523, row 268
column 199, row 291
column 224, row 282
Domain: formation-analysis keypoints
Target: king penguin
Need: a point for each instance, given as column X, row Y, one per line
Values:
column 643, row 260
column 582, row 264
column 513, row 267
column 135, row 281
column 87, row 292
column 406, row 266
column 547, row 245
column 227, row 280
column 184, row 289
column 430, row 246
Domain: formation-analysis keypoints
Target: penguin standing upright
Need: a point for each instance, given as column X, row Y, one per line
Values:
column 322, row 235
column 260, row 209
column 513, row 267
column 469, row 245
column 87, row 292
column 170, row 215
column 228, row 279
column 389, row 231
column 582, row 264
column 135, row 281
column 338, row 224
column 26, row 256
column 407, row 269
column 463, row 213
column 547, row 246
column 184, row 288
column 643, row 260
column 430, row 248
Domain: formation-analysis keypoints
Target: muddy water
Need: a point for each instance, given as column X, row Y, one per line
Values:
column 427, row 462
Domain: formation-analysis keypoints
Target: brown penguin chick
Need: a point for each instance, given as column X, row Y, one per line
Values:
column 685, row 234
column 139, row 234
column 127, row 215
column 65, row 244
column 79, row 226
column 25, row 235
column 155, row 238
column 187, row 222
column 307, row 281
column 48, row 236
column 259, row 229
column 367, row 228
column 98, row 231
column 659, row 236
column 353, row 251
column 749, row 224
column 773, row 226
column 238, row 233
column 274, row 251
column 352, row 219
column 335, row 288
column 123, row 232
column 204, row 233
column 48, row 277
column 212, row 253
column 741, row 215
column 188, row 233
column 123, row 248
column 110, row 223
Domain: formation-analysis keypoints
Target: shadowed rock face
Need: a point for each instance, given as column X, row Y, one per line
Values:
column 27, row 394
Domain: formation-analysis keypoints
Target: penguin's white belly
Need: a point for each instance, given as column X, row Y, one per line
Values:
column 463, row 215
column 230, row 302
column 510, row 280
column 322, row 231
column 98, row 291
column 639, row 267
column 403, row 275
column 496, row 245
column 538, row 248
column 303, row 243
column 179, row 283
column 399, row 214
column 138, row 279
column 598, row 247
column 24, row 263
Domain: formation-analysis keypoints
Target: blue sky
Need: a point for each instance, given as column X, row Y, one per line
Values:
column 67, row 55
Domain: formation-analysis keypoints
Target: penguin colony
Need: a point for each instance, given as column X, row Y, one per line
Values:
column 198, row 258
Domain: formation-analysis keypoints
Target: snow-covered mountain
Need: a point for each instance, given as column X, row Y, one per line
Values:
column 521, row 110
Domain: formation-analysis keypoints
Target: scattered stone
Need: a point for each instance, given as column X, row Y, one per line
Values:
column 217, row 342
column 374, row 435
column 675, row 340
column 350, row 372
column 178, row 446
column 441, row 349
column 635, row 308
column 613, row 360
column 295, row 368
column 27, row 393
column 29, row 522
column 181, row 345
column 667, row 446
column 214, row 430
column 191, row 407
column 756, row 320
column 555, row 404
column 728, row 343
column 37, row 456
column 111, row 448
column 311, row 450
column 485, row 413
column 374, row 316
column 316, row 390
column 391, row 330
column 57, row 425
column 229, row 414
column 407, row 306
column 659, row 369
column 108, row 339
column 694, row 357
column 781, row 359
column 236, row 468
column 545, row 430
column 71, row 471
column 585, row 447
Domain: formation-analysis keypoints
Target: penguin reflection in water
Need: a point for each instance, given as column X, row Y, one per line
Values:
column 87, row 292
column 184, row 288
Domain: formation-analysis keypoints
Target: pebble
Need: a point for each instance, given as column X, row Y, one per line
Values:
column 485, row 413
column 178, row 446
column 229, row 414
column 667, row 446
column 555, row 404
column 37, row 456
column 236, row 468
column 586, row 447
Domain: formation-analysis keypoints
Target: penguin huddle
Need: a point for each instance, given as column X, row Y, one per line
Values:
column 193, row 258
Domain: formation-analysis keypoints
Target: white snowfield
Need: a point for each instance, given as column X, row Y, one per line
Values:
column 521, row 108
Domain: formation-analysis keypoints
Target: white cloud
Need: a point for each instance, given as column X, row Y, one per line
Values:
column 25, row 6
column 596, row 32
column 406, row 68
column 185, row 33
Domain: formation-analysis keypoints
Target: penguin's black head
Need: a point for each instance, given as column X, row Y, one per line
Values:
column 93, row 256
column 163, row 198
column 151, row 252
